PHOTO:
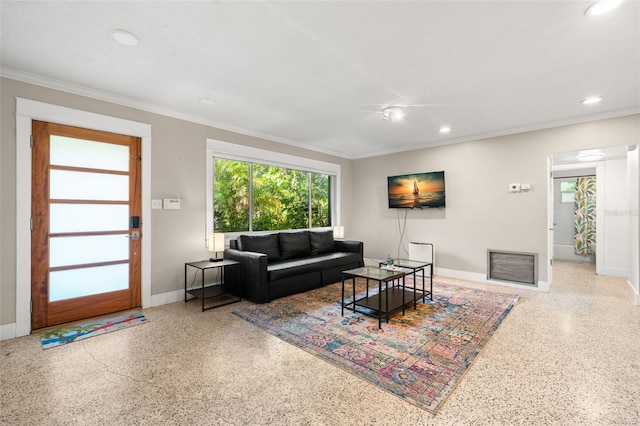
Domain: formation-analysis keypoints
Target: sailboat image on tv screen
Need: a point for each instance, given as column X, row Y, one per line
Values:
column 418, row 190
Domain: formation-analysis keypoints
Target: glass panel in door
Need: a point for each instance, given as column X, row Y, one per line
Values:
column 83, row 172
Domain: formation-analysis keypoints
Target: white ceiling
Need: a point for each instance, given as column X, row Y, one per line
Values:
column 317, row 74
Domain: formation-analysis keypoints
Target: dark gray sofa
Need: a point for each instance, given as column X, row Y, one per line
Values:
column 284, row 263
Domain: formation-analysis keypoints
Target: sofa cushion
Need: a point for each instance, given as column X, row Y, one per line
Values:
column 321, row 242
column 267, row 244
column 297, row 267
column 294, row 244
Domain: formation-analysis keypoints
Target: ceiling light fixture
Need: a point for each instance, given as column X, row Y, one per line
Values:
column 592, row 155
column 394, row 113
column 444, row 129
column 207, row 101
column 591, row 100
column 601, row 7
column 124, row 37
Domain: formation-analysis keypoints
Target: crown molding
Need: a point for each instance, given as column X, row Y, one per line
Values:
column 507, row 132
column 75, row 89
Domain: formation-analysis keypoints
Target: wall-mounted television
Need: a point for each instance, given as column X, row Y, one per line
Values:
column 418, row 190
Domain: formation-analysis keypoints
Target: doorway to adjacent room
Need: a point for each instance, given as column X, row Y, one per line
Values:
column 573, row 225
column 607, row 235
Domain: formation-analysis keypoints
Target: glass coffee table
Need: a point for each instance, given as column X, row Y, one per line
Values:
column 383, row 303
column 416, row 266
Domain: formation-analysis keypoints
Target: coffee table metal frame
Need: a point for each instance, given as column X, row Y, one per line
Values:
column 383, row 303
column 415, row 266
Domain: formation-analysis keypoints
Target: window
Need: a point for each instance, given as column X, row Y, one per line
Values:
column 567, row 191
column 253, row 190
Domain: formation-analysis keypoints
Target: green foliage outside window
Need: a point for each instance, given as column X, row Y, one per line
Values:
column 231, row 195
column 278, row 198
column 320, row 200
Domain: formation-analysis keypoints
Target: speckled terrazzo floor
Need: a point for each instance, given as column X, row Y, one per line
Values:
column 568, row 357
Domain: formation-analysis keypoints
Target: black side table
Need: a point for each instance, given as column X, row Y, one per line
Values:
column 217, row 292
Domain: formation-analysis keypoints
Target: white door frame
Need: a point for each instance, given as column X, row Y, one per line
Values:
column 28, row 110
column 550, row 221
column 599, row 166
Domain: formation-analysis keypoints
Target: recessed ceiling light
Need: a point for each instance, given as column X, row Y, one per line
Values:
column 124, row 37
column 602, row 6
column 207, row 101
column 393, row 112
column 444, row 129
column 591, row 100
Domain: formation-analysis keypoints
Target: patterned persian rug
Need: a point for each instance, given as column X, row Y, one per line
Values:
column 74, row 332
column 419, row 357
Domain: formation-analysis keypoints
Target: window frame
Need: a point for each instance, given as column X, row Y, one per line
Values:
column 230, row 151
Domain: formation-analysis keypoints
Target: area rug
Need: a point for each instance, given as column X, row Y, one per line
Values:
column 419, row 357
column 74, row 332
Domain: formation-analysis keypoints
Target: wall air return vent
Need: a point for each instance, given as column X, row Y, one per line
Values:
column 511, row 266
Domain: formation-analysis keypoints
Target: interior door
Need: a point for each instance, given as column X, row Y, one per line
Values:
column 86, row 203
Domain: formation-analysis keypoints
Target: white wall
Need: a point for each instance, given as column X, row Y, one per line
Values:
column 616, row 218
column 480, row 213
column 633, row 176
column 177, row 171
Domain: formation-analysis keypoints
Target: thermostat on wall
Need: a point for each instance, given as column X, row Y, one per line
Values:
column 171, row 204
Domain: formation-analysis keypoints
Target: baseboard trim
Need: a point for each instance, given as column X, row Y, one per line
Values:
column 479, row 278
column 172, row 296
column 636, row 294
column 7, row 331
column 615, row 272
column 482, row 278
column 166, row 298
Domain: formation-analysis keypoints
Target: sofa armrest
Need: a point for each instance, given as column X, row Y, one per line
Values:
column 351, row 247
column 253, row 277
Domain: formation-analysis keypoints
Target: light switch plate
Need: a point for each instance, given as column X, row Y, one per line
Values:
column 156, row 204
column 514, row 187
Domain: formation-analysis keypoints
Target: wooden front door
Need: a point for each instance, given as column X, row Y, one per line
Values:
column 86, row 228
